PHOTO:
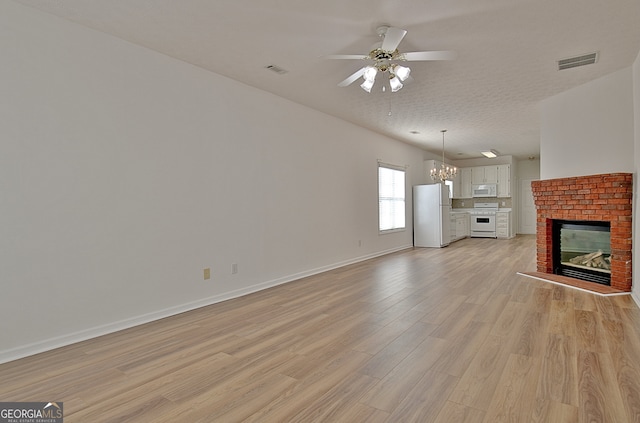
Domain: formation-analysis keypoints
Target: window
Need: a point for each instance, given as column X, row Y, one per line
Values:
column 449, row 184
column 391, row 193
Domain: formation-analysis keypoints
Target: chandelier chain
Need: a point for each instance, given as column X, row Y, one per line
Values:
column 445, row 172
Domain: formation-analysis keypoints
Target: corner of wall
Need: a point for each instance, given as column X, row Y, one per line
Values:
column 636, row 159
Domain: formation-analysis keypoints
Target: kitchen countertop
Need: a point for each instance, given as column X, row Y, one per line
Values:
column 505, row 209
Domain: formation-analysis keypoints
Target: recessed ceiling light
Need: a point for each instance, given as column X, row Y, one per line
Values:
column 490, row 154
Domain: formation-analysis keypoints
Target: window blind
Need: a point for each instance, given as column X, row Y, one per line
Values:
column 391, row 197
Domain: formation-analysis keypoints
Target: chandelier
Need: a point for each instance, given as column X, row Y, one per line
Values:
column 397, row 73
column 445, row 172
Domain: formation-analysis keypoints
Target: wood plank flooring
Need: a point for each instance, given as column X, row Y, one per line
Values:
column 423, row 335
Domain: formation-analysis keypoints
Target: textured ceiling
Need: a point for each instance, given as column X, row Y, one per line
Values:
column 487, row 98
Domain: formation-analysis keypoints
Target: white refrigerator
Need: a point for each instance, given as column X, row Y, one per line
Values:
column 431, row 215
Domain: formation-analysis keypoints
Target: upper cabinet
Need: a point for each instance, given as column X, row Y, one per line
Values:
column 462, row 183
column 468, row 176
column 504, row 180
column 484, row 175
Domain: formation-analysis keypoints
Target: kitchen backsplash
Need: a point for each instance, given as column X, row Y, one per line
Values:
column 468, row 203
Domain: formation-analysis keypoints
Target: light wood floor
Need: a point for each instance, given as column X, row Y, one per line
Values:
column 425, row 335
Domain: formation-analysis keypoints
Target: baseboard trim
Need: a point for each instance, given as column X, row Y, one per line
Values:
column 94, row 332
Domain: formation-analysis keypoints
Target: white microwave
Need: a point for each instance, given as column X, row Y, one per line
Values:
column 484, row 190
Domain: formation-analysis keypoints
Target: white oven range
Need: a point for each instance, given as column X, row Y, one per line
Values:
column 483, row 220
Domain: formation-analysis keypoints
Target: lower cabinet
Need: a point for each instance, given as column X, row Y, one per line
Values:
column 459, row 226
column 503, row 225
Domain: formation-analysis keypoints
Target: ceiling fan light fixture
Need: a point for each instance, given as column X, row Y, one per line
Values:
column 402, row 72
column 370, row 73
column 490, row 154
column 384, row 55
column 367, row 85
column 395, row 84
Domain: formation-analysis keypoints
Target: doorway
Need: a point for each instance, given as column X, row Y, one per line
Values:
column 527, row 218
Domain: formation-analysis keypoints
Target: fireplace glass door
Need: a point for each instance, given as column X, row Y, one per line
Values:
column 582, row 250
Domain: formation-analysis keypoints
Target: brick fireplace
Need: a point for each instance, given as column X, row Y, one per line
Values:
column 595, row 198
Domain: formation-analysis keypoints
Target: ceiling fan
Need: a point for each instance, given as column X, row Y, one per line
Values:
column 384, row 57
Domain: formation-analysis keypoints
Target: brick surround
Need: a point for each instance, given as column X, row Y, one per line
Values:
column 606, row 198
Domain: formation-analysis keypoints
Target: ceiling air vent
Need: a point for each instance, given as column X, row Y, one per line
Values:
column 276, row 69
column 573, row 62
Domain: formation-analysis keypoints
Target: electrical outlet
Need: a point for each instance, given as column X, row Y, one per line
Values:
column 234, row 268
column 207, row 273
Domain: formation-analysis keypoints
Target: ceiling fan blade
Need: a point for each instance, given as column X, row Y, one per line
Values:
column 392, row 38
column 346, row 56
column 351, row 79
column 429, row 55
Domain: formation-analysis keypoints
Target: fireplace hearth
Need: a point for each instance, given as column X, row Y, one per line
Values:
column 596, row 201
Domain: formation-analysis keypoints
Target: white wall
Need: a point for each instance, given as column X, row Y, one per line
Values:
column 588, row 130
column 124, row 173
column 529, row 169
column 636, row 156
column 601, row 120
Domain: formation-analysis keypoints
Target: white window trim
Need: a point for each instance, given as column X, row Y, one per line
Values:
column 402, row 169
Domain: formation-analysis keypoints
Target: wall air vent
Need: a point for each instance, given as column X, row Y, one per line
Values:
column 276, row 69
column 573, row 62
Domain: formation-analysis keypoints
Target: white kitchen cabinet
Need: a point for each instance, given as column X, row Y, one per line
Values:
column 453, row 234
column 462, row 183
column 484, row 175
column 504, row 224
column 477, row 175
column 459, row 226
column 457, row 186
column 469, row 176
column 465, row 182
column 462, row 225
column 504, row 180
